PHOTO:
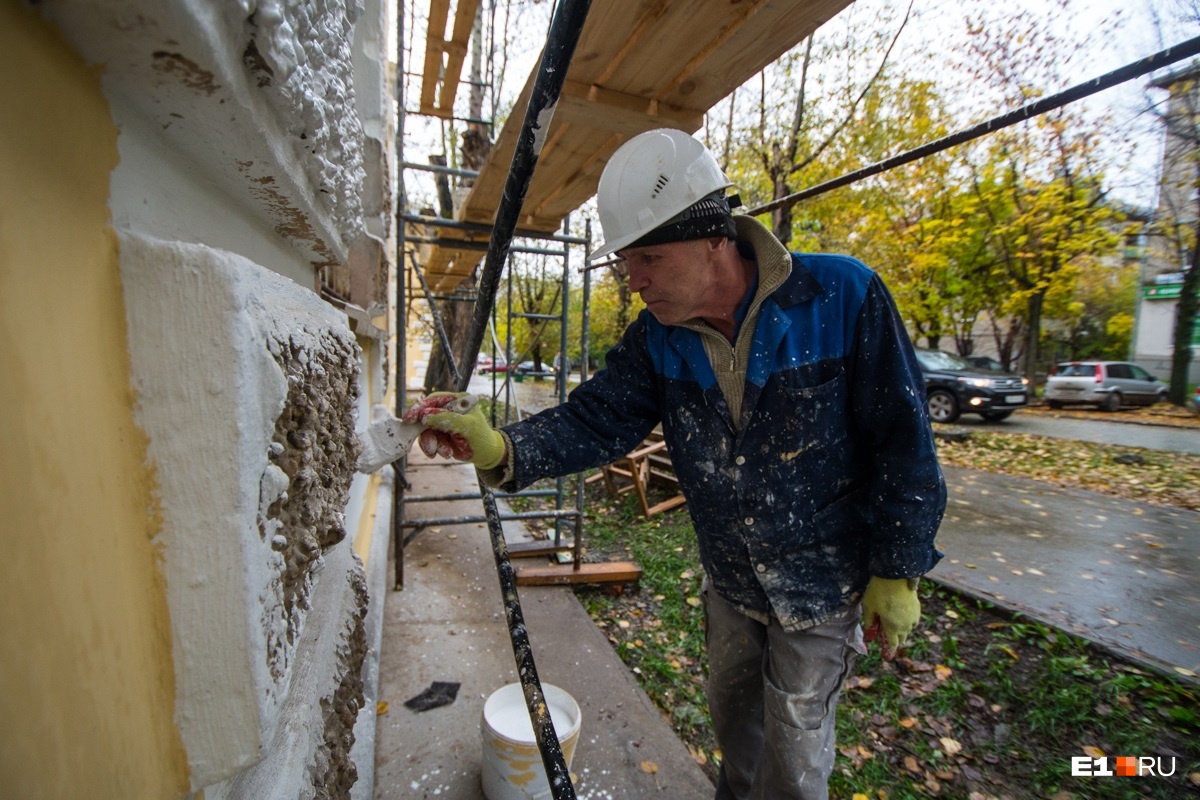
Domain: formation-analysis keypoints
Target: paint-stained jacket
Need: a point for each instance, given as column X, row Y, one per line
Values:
column 831, row 475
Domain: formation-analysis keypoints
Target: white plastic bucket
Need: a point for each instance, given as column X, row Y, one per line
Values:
column 512, row 765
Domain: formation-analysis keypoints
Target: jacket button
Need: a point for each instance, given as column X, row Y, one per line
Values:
column 740, row 460
column 761, row 568
column 749, row 520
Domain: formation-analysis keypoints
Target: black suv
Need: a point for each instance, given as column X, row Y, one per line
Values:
column 955, row 387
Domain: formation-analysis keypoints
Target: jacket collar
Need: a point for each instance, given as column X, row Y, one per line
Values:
column 781, row 274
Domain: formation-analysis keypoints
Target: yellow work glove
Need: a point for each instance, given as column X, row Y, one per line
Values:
column 458, row 429
column 890, row 610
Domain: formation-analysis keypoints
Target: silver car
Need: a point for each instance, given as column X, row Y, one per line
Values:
column 1107, row 384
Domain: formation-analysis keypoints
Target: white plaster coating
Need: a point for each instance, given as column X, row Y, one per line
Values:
column 161, row 191
column 307, row 45
column 209, row 394
column 542, row 128
column 278, row 131
column 286, row 772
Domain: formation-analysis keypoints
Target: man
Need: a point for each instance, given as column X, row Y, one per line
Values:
column 794, row 412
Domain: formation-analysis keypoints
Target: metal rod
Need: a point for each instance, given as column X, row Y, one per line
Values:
column 564, row 367
column 539, row 712
column 476, row 120
column 464, row 244
column 454, row 171
column 584, row 355
column 479, row 227
column 561, row 41
column 1028, row 111
column 444, row 498
column 436, row 315
column 454, row 298
column 516, row 515
column 399, row 389
column 522, row 315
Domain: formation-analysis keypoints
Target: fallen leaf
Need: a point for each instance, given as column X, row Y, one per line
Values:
column 951, row 746
column 911, row 764
column 908, row 722
column 381, row 708
column 942, row 672
column 694, row 602
column 1094, row 752
column 649, row 767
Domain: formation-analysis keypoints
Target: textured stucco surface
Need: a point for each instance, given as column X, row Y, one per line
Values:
column 259, row 97
column 247, row 387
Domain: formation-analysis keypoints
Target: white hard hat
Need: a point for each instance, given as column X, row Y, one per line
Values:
column 649, row 181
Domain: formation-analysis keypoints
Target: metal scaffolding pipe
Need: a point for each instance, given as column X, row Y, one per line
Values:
column 447, row 350
column 563, row 37
column 566, row 513
column 479, row 227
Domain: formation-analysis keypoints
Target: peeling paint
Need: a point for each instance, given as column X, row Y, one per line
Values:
column 188, row 72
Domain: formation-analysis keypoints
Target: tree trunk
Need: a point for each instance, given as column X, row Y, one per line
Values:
column 1033, row 326
column 457, row 314
column 1185, row 324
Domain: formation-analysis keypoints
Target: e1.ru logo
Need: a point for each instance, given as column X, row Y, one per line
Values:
column 1125, row 766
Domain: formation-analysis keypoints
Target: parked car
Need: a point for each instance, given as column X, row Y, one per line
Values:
column 986, row 362
column 954, row 386
column 528, row 368
column 1107, row 384
column 487, row 364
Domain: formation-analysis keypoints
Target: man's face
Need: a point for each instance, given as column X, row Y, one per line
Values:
column 673, row 279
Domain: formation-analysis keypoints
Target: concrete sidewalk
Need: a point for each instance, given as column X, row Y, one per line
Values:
column 448, row 625
column 1121, row 574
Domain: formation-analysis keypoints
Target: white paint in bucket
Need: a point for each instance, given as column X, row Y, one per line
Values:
column 512, row 765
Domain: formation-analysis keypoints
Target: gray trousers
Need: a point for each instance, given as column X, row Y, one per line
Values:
column 773, row 695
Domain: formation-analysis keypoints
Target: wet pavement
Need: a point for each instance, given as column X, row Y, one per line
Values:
column 1119, row 573
column 1115, row 431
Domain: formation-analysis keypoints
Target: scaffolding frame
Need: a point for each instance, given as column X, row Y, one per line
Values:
column 565, row 29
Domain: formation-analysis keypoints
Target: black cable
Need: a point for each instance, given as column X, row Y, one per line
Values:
column 1026, row 112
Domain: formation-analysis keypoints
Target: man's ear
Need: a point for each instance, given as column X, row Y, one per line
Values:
column 717, row 243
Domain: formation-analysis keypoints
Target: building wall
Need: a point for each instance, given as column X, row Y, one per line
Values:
column 87, row 688
column 1154, row 341
column 194, row 238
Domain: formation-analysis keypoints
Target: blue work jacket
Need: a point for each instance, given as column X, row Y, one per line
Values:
column 829, row 477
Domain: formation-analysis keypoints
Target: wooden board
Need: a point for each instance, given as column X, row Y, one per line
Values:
column 561, row 574
column 640, row 64
column 447, row 73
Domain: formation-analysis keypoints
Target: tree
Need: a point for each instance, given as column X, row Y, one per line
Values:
column 787, row 138
column 1039, row 185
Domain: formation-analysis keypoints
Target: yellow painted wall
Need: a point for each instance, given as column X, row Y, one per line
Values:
column 86, row 678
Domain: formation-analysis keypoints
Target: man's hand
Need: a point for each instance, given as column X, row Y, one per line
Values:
column 890, row 611
column 457, row 429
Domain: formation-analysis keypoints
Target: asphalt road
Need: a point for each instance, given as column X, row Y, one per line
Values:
column 1154, row 437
